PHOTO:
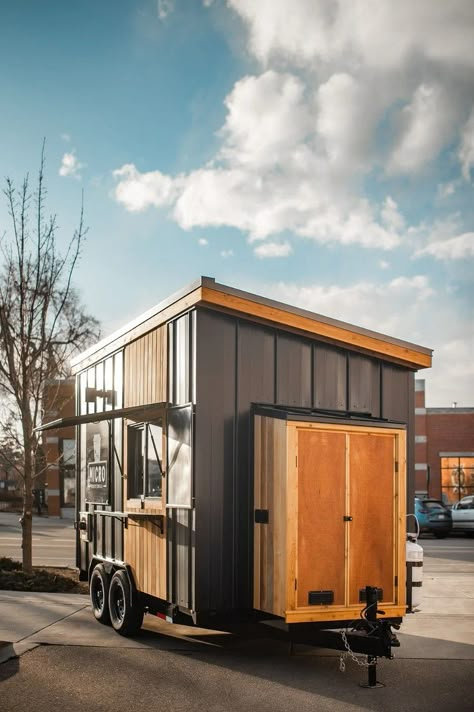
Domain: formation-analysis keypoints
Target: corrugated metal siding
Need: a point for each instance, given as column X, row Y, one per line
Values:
column 395, row 392
column 293, row 370
column 364, row 385
column 256, row 383
column 329, row 378
column 239, row 362
column 214, row 458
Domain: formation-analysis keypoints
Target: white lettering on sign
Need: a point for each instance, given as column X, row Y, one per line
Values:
column 97, row 472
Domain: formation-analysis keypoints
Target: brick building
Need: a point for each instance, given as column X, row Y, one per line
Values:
column 60, row 451
column 444, row 449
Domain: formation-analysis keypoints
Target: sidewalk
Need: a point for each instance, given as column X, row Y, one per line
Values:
column 442, row 630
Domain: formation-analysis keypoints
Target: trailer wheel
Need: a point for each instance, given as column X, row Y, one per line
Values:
column 126, row 618
column 99, row 593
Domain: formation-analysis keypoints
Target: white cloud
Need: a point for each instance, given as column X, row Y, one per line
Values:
column 426, row 126
column 66, row 137
column 138, row 191
column 466, row 149
column 267, row 116
column 70, row 165
column 383, row 264
column 391, row 216
column 227, row 253
column 203, row 242
column 454, row 248
column 273, row 249
column 345, row 120
column 381, row 34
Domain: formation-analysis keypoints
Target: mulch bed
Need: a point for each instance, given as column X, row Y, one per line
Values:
column 43, row 579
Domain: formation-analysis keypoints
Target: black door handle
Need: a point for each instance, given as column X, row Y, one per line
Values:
column 347, row 519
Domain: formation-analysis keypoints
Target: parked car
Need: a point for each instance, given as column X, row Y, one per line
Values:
column 462, row 514
column 433, row 517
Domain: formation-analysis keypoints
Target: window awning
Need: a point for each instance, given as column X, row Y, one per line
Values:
column 136, row 413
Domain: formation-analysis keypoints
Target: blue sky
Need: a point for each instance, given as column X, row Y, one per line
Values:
column 317, row 152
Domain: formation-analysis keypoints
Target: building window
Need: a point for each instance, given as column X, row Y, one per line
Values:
column 145, row 460
column 457, row 477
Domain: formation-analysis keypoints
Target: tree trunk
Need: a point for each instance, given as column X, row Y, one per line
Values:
column 27, row 515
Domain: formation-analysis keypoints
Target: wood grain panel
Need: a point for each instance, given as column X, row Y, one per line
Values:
column 321, row 503
column 372, row 491
column 270, row 543
column 145, row 369
column 145, row 552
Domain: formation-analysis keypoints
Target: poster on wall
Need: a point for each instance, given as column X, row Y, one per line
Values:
column 97, row 463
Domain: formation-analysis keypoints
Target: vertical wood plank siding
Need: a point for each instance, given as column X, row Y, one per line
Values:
column 269, row 570
column 240, row 362
column 145, row 382
column 145, row 376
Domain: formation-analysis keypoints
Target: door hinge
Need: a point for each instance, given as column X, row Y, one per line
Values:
column 296, row 584
column 296, row 459
column 396, row 582
column 396, row 466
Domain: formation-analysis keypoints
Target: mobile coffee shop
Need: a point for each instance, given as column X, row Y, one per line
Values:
column 238, row 456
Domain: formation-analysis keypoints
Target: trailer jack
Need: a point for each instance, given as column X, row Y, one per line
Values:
column 370, row 636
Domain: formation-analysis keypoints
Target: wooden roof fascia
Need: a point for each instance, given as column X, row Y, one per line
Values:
column 206, row 292
column 403, row 354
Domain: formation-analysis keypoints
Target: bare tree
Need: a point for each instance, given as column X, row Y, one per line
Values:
column 42, row 321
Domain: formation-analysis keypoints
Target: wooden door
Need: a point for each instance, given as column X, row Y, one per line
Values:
column 371, row 508
column 350, row 507
column 321, row 509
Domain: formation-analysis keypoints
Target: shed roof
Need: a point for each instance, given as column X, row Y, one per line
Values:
column 209, row 293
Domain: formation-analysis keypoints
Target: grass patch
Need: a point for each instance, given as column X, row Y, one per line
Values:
column 43, row 579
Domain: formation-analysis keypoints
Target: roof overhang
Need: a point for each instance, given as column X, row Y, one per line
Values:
column 208, row 293
column 136, row 413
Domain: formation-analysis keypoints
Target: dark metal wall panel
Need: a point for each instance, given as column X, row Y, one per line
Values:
column 255, row 383
column 398, row 403
column 364, row 385
column 395, row 387
column 214, row 458
column 184, row 573
column 293, row 370
column 329, row 378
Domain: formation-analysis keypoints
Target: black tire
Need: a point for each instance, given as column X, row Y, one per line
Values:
column 440, row 535
column 126, row 618
column 99, row 594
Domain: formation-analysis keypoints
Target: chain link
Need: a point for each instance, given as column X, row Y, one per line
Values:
column 343, row 656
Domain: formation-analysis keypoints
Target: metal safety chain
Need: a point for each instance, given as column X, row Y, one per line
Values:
column 343, row 656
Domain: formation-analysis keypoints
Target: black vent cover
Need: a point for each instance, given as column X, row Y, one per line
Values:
column 320, row 598
column 261, row 516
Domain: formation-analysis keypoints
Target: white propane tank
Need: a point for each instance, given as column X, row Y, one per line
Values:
column 414, row 559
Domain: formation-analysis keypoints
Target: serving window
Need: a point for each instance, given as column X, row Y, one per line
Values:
column 145, row 460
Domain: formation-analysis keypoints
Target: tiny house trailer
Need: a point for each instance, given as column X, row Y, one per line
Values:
column 240, row 455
